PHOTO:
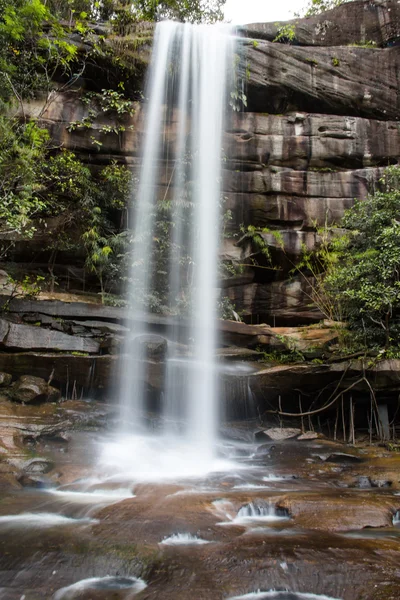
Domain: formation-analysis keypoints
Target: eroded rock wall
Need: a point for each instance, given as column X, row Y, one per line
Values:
column 322, row 122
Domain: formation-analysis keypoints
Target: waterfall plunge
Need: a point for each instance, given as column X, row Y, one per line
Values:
column 188, row 90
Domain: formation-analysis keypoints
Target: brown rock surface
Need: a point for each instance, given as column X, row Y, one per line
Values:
column 284, row 78
column 25, row 337
column 29, row 388
column 376, row 21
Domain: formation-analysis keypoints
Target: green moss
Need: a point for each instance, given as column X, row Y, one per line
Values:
column 335, row 61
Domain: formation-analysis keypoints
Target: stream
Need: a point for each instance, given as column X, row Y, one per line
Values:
column 280, row 520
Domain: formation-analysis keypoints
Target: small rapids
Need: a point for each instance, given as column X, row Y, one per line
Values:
column 286, row 595
column 260, row 512
column 41, row 520
column 183, row 539
column 107, row 584
column 253, row 512
column 91, row 496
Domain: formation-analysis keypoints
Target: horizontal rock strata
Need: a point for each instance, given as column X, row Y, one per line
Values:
column 358, row 22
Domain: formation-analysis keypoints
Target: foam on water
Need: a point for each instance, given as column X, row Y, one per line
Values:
column 250, row 486
column 249, row 513
column 285, row 595
column 107, row 583
column 97, row 496
column 156, row 458
column 183, row 539
column 42, row 520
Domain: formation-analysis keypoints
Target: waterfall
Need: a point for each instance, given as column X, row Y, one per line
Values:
column 175, row 233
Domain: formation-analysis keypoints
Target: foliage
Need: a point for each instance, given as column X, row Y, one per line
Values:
column 365, row 279
column 286, row 33
column 108, row 102
column 33, row 47
column 125, row 11
column 314, row 265
column 281, row 357
column 192, row 11
column 22, row 148
column 260, row 244
column 34, row 183
column 316, row 7
column 29, row 287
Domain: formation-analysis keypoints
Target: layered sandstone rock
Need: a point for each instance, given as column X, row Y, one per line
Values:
column 321, row 124
column 376, row 21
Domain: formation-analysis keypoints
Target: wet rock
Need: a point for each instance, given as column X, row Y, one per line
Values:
column 364, row 482
column 58, row 436
column 381, row 483
column 35, row 481
column 339, row 512
column 277, row 434
column 151, row 346
column 29, row 388
column 5, row 379
column 342, row 457
column 36, row 466
column 264, row 449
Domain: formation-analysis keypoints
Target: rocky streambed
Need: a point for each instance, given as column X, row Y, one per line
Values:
column 301, row 514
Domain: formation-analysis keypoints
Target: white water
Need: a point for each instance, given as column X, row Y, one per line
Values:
column 107, row 583
column 97, row 496
column 273, row 595
column 247, row 514
column 188, row 91
column 41, row 520
column 138, row 457
column 254, row 512
column 183, row 539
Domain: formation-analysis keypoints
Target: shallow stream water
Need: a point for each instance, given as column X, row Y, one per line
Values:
column 272, row 520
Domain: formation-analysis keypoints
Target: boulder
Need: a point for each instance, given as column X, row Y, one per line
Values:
column 149, row 346
column 342, row 457
column 34, row 481
column 309, row 435
column 5, row 379
column 36, row 466
column 29, row 388
column 279, row 434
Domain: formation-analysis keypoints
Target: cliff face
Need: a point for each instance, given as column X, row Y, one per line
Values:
column 321, row 124
column 322, row 121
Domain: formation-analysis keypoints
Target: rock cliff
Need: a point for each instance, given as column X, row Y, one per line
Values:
column 322, row 121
